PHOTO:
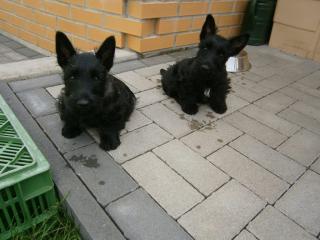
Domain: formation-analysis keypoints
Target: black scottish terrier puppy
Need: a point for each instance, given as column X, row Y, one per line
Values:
column 203, row 79
column 91, row 97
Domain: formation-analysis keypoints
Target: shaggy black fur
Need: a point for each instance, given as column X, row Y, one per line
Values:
column 92, row 98
column 203, row 79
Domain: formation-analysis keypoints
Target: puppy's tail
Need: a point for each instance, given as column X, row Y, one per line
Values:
column 162, row 71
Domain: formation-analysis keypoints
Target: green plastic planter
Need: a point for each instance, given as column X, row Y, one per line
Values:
column 258, row 21
column 27, row 194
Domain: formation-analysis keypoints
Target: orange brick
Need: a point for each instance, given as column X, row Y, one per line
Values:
column 228, row 20
column 83, row 44
column 56, row 8
column 193, row 8
column 7, row 5
column 10, row 28
column 234, row 31
column 197, row 23
column 77, row 2
column 71, row 27
column 173, row 25
column 131, row 26
column 18, row 21
column 50, row 33
column 86, row 16
column 35, row 28
column 241, row 6
column 152, row 10
column 187, row 38
column 100, row 35
column 33, row 3
column 29, row 37
column 224, row 32
column 114, row 6
column 46, row 19
column 222, row 7
column 24, row 12
column 46, row 44
column 151, row 43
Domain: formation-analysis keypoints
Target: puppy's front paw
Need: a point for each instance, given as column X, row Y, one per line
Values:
column 71, row 132
column 109, row 143
column 190, row 109
column 220, row 109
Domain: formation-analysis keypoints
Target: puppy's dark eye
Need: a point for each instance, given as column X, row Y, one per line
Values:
column 72, row 77
column 96, row 78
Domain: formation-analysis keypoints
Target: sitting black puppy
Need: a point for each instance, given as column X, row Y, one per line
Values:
column 91, row 97
column 203, row 79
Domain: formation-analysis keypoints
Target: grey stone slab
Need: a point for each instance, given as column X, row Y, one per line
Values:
column 311, row 80
column 306, row 110
column 139, row 141
column 15, row 56
column 137, row 81
column 301, row 119
column 271, row 224
column 169, row 189
column 302, row 202
column 245, row 235
column 101, row 174
column 268, row 158
column 26, row 52
column 157, row 59
column 195, row 169
column 212, row 137
column 38, row 102
column 257, row 179
column 140, row 218
column 127, row 66
column 316, row 166
column 4, row 49
column 275, row 102
column 299, row 95
column 46, row 81
column 304, row 147
column 37, row 56
column 4, row 39
column 149, row 97
column 93, row 222
column 223, row 214
column 271, row 120
column 13, row 44
column 256, row 129
column 52, row 125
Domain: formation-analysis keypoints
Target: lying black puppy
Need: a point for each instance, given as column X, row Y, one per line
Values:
column 203, row 79
column 91, row 97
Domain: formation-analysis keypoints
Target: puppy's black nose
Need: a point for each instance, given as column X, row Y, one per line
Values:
column 83, row 102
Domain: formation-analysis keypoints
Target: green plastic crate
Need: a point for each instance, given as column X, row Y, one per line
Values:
column 27, row 194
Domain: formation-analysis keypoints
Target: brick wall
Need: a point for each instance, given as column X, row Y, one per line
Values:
column 140, row 25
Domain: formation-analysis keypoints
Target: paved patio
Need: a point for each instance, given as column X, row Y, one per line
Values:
column 251, row 173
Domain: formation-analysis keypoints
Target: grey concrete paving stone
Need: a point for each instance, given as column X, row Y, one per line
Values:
column 52, row 125
column 268, row 158
column 127, row 66
column 307, row 110
column 245, row 235
column 4, row 39
column 245, row 93
column 301, row 202
column 15, row 56
column 137, row 120
column 26, row 52
column 149, row 97
column 168, row 120
column 256, row 129
column 212, row 137
column 311, row 80
column 263, row 183
column 271, row 224
column 316, row 166
column 46, row 81
column 275, row 102
column 4, row 49
column 169, row 189
column 299, row 95
column 38, row 102
column 101, row 174
column 137, row 81
column 196, row 170
column 93, row 222
column 223, row 214
column 153, row 70
column 157, row 59
column 140, row 218
column 301, row 119
column 305, row 89
column 13, row 44
column 55, row 90
column 304, row 147
column 139, row 141
column 275, row 82
column 271, row 120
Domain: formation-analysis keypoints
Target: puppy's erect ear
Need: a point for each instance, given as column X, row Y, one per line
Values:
column 236, row 44
column 209, row 27
column 106, row 52
column 64, row 49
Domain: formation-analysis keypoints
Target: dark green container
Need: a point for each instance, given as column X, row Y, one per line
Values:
column 258, row 21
